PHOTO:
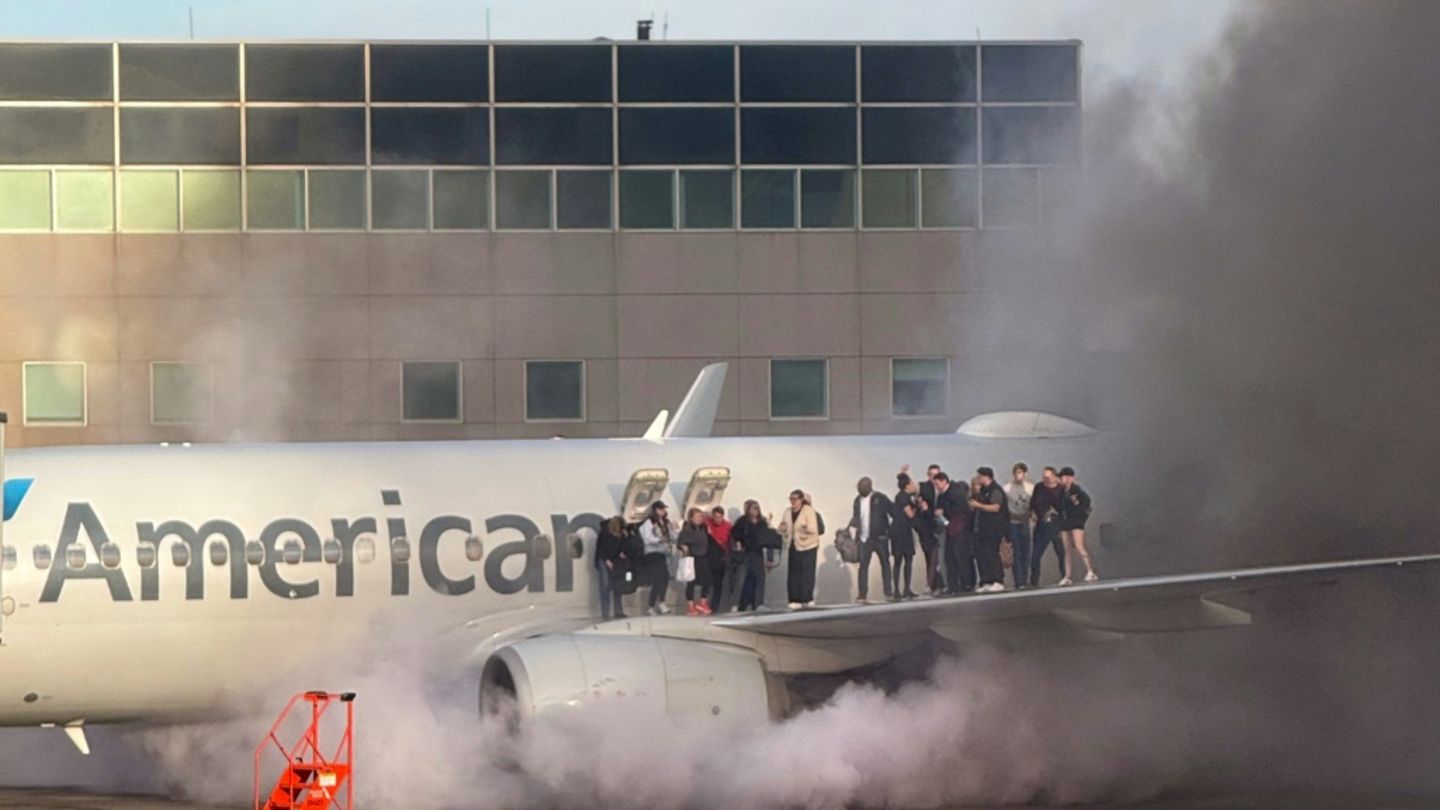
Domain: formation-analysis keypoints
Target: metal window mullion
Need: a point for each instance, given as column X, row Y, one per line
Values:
column 735, row 182
column 115, row 133
column 980, row 136
column 369, row 159
column 615, row 139
column 493, row 203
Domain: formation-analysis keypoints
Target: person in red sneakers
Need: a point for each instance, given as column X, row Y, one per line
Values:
column 694, row 542
column 725, row 565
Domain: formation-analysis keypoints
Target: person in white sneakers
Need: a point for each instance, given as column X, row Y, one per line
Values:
column 1074, row 512
column 1018, row 493
column 659, row 537
column 992, row 520
column 800, row 530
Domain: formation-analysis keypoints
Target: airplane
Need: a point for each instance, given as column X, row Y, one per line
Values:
column 167, row 584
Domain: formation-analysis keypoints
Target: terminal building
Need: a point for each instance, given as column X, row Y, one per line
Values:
column 395, row 240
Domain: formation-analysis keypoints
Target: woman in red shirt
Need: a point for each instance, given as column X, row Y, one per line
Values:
column 721, row 572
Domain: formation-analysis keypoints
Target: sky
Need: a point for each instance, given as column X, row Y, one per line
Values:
column 1154, row 40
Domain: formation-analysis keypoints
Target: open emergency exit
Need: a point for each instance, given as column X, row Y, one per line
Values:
column 706, row 489
column 645, row 487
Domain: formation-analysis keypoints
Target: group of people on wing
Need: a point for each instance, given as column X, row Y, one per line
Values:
column 969, row 535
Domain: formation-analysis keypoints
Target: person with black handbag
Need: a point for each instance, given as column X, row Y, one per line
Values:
column 752, row 537
column 612, row 567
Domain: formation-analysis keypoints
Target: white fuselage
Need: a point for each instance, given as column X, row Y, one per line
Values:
column 106, row 644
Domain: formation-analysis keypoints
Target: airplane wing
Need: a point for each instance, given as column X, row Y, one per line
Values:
column 1143, row 605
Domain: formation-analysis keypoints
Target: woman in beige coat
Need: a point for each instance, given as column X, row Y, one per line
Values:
column 800, row 529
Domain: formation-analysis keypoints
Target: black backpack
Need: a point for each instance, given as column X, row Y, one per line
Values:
column 819, row 522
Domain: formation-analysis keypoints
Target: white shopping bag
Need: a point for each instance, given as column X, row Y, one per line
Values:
column 685, row 570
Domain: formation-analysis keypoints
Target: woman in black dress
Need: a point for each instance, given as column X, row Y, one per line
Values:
column 902, row 534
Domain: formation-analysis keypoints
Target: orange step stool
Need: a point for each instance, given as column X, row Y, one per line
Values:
column 311, row 779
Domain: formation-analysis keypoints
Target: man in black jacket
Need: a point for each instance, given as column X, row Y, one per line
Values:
column 870, row 520
column 932, row 527
column 992, row 520
column 959, row 537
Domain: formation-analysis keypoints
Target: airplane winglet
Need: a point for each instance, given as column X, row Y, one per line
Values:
column 695, row 418
column 76, row 732
column 656, row 431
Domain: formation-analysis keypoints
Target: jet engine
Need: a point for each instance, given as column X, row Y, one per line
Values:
column 554, row 673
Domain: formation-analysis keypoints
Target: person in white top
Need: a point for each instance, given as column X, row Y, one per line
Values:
column 1018, row 493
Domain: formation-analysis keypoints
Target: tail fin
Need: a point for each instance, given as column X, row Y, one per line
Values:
column 695, row 418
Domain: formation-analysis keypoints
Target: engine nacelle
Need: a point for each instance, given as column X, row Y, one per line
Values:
column 682, row 678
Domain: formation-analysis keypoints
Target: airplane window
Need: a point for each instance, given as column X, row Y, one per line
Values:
column 544, row 546
column 254, row 553
column 42, row 557
column 110, row 556
column 577, row 545
column 9, row 557
column 400, row 550
column 330, row 551
column 75, row 557
column 219, row 553
column 145, row 555
column 180, row 555
column 292, row 552
column 474, row 549
column 365, row 550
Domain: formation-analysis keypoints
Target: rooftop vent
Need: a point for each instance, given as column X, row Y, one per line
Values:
column 642, row 29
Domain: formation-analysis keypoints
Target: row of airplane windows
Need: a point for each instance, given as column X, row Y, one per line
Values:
column 183, row 393
column 218, row 200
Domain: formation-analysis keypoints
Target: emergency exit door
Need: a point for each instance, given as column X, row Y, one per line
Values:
column 645, row 487
column 706, row 489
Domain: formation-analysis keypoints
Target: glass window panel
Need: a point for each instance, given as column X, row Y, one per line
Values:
column 34, row 135
column 797, row 73
column 918, row 72
column 179, row 73
column 1012, row 198
column 889, row 198
column 767, row 198
column 647, row 199
column 919, row 135
column 429, row 73
column 677, row 73
column 275, row 200
column 36, row 72
column 797, row 135
column 919, row 387
column 580, row 135
column 1032, row 134
column 707, row 199
column 677, row 135
column 25, row 201
column 399, row 200
column 167, row 136
column 55, row 393
column 180, row 393
column 827, row 198
column 1059, row 194
column 149, row 200
column 552, row 73
column 950, row 198
column 84, row 200
column 1031, row 72
column 462, row 200
column 304, row 72
column 211, row 200
column 316, row 135
column 582, row 199
column 522, row 200
column 431, row 392
column 798, row 389
column 337, row 199
column 443, row 136
column 554, row 389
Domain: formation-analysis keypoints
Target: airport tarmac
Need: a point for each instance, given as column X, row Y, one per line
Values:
column 53, row 800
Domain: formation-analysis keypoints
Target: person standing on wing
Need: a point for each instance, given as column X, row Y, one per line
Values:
column 1074, row 512
column 1018, row 492
column 870, row 520
column 659, row 538
column 800, row 529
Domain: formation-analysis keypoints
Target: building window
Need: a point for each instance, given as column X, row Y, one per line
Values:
column 85, row 200
column 919, row 386
column 211, row 200
column 181, row 393
column 54, row 393
column 275, row 200
column 431, row 391
column 889, row 198
column 799, row 389
column 337, row 199
column 949, row 198
column 461, row 199
column 582, row 200
column 400, row 200
column 150, row 200
column 647, row 199
column 767, row 198
column 522, row 200
column 554, row 390
column 707, row 199
column 25, row 200
column 827, row 198
column 1011, row 198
